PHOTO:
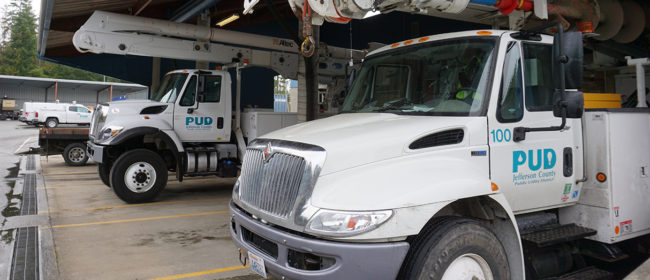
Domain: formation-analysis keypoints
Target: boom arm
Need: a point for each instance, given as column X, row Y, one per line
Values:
column 106, row 32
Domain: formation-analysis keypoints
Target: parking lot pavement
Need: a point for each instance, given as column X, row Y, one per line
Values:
column 183, row 234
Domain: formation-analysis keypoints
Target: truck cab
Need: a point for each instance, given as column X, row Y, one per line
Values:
column 451, row 156
column 186, row 127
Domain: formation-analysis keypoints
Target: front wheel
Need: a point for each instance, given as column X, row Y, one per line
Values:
column 75, row 154
column 138, row 176
column 456, row 248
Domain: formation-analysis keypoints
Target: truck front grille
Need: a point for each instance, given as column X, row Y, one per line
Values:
column 272, row 184
column 97, row 121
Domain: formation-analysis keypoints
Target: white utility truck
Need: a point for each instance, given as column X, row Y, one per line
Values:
column 53, row 114
column 185, row 127
column 188, row 126
column 456, row 156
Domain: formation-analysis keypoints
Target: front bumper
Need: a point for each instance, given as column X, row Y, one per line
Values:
column 352, row 260
column 95, row 152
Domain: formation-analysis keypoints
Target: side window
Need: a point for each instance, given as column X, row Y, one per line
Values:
column 511, row 107
column 212, row 88
column 190, row 91
column 82, row 110
column 538, row 77
column 72, row 108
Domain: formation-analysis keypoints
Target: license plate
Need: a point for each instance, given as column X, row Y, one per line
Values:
column 257, row 264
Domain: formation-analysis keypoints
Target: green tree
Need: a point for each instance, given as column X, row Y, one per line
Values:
column 18, row 48
column 19, row 44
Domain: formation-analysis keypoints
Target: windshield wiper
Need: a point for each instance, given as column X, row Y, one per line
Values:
column 388, row 108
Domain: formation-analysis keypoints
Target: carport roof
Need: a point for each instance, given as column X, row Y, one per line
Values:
column 61, row 18
column 63, row 83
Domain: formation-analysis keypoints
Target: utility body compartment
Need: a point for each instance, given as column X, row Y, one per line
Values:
column 258, row 122
column 617, row 144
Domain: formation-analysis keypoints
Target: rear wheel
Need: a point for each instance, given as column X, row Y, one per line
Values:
column 75, row 154
column 138, row 176
column 456, row 248
column 104, row 170
column 51, row 122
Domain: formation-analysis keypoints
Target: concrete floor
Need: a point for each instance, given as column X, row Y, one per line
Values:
column 183, row 234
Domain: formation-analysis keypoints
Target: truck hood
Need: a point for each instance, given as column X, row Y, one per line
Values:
column 361, row 138
column 127, row 107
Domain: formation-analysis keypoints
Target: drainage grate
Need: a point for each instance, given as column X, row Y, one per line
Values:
column 25, row 259
column 28, row 205
column 31, row 162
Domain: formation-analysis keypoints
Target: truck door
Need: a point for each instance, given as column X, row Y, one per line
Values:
column 540, row 171
column 72, row 115
column 84, row 114
column 205, row 119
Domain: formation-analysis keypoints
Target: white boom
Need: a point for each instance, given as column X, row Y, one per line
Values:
column 106, row 32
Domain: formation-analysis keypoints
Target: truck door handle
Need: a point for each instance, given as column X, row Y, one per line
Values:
column 219, row 122
column 568, row 162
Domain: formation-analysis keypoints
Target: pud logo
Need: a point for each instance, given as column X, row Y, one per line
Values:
column 539, row 162
column 519, row 158
column 198, row 122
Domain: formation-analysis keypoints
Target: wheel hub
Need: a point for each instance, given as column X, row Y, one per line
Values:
column 77, row 154
column 140, row 177
column 468, row 267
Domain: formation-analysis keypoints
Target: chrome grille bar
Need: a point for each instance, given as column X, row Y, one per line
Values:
column 273, row 185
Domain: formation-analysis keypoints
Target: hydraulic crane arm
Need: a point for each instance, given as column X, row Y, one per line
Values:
column 106, row 32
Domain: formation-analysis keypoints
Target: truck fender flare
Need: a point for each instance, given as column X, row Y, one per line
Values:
column 494, row 212
column 172, row 141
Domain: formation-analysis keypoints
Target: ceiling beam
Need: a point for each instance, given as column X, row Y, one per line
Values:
column 140, row 5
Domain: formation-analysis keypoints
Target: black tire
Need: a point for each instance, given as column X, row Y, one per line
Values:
column 448, row 238
column 75, row 154
column 104, row 170
column 51, row 122
column 150, row 162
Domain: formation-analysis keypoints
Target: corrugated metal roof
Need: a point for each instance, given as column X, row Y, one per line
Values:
column 64, row 83
column 71, row 8
column 24, row 89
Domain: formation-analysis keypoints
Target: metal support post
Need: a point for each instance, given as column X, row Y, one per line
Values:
column 241, row 144
column 56, row 91
column 640, row 78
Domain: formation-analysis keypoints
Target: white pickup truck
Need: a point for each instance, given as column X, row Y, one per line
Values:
column 53, row 114
column 457, row 156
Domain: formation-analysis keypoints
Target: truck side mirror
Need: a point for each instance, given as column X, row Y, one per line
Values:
column 568, row 51
column 200, row 89
column 571, row 101
column 567, row 71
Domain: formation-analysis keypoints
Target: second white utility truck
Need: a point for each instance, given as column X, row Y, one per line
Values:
column 457, row 156
column 185, row 127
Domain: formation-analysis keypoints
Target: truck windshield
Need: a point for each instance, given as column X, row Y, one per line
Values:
column 169, row 88
column 439, row 78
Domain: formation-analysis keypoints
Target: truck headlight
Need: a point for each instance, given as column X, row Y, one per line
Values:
column 339, row 223
column 109, row 132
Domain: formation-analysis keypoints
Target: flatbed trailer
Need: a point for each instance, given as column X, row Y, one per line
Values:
column 69, row 142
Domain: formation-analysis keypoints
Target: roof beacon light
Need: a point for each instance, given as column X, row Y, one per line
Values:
column 228, row 20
